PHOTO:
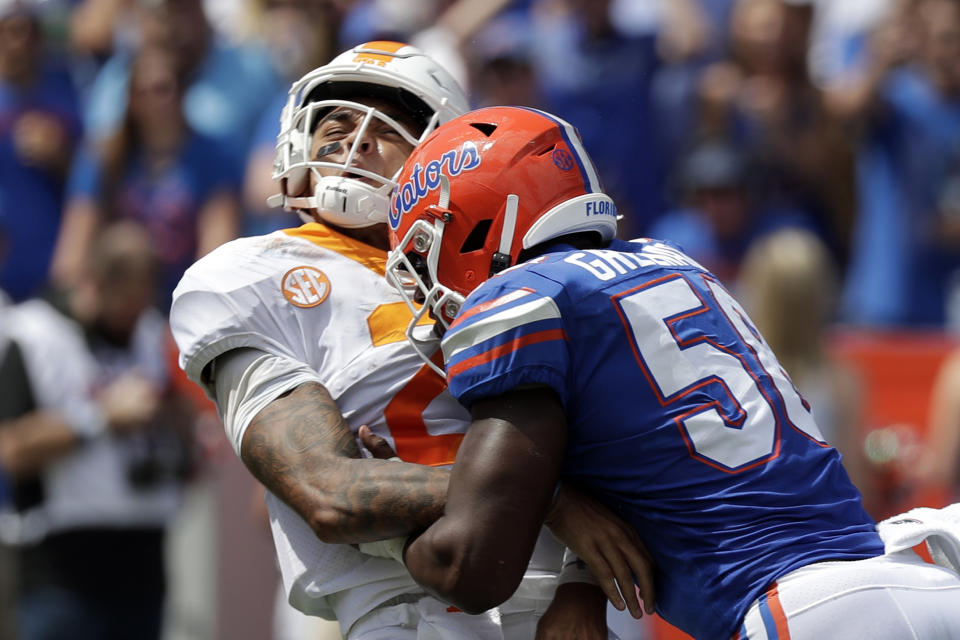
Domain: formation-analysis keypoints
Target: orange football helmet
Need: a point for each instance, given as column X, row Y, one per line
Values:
column 478, row 191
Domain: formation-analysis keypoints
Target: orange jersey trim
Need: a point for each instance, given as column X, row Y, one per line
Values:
column 323, row 236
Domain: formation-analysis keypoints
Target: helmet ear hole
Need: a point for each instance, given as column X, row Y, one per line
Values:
column 486, row 128
column 547, row 150
column 478, row 236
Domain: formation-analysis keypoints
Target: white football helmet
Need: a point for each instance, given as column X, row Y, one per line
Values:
column 392, row 71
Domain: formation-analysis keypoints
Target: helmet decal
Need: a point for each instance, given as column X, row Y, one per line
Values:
column 510, row 178
column 563, row 159
column 378, row 52
column 424, row 179
column 579, row 154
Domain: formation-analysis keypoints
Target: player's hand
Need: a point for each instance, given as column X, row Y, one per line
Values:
column 578, row 612
column 610, row 547
column 376, row 445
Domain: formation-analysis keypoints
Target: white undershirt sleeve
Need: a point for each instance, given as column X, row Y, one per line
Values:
column 575, row 570
column 244, row 381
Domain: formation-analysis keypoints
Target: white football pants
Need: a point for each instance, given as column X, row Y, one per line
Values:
column 896, row 596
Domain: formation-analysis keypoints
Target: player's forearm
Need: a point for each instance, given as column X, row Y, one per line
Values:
column 365, row 500
column 452, row 561
column 500, row 489
column 303, row 451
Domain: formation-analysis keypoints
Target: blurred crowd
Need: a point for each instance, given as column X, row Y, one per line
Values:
column 806, row 151
column 714, row 122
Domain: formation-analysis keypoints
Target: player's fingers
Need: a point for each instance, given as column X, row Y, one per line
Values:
column 641, row 566
column 608, row 583
column 376, row 445
column 623, row 570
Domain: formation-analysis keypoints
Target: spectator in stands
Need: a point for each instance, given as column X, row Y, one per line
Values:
column 39, row 127
column 721, row 213
column 99, row 452
column 762, row 98
column 299, row 35
column 790, row 286
column 597, row 72
column 229, row 85
column 9, row 360
column 501, row 64
column 937, row 474
column 907, row 105
column 96, row 27
column 841, row 34
column 156, row 170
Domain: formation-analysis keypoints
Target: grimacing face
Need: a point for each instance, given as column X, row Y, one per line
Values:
column 381, row 149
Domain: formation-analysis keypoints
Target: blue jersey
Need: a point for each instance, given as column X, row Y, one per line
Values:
column 680, row 419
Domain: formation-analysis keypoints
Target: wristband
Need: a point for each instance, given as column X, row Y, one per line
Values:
column 575, row 570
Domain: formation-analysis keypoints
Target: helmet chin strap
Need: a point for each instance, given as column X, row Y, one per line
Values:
column 501, row 259
column 344, row 201
column 444, row 201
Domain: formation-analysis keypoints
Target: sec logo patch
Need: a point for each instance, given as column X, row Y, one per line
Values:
column 305, row 287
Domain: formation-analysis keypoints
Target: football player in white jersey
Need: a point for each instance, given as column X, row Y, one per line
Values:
column 299, row 339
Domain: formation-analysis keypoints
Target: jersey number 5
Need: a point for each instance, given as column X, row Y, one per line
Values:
column 733, row 396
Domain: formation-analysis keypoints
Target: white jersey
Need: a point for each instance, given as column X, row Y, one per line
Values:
column 89, row 486
column 318, row 297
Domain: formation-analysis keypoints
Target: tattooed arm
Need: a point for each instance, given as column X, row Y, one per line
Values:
column 300, row 447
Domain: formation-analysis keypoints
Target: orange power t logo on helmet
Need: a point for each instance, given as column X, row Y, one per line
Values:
column 378, row 52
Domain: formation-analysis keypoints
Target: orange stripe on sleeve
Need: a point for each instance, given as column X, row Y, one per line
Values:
column 513, row 345
column 491, row 304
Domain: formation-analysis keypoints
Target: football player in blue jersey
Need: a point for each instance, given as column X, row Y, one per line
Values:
column 626, row 370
